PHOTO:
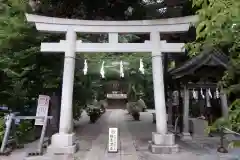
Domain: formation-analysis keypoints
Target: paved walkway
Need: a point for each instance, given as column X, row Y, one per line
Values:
column 133, row 141
column 99, row 150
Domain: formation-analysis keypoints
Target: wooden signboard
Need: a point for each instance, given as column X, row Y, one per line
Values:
column 113, row 140
column 42, row 109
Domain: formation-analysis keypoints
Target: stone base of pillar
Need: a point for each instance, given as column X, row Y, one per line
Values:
column 186, row 136
column 62, row 144
column 163, row 144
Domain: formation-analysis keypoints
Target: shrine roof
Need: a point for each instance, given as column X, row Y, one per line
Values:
column 209, row 57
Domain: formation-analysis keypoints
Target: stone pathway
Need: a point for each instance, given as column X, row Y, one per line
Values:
column 133, row 141
column 99, row 150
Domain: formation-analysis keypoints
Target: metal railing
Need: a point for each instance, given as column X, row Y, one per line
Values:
column 10, row 123
column 221, row 148
column 231, row 131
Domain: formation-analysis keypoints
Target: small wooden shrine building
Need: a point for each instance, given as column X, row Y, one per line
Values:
column 195, row 92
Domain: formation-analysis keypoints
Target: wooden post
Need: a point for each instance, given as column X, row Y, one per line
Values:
column 185, row 134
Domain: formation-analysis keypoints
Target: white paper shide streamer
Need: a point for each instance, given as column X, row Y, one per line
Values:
column 217, row 93
column 202, row 94
column 141, row 66
column 85, row 69
column 195, row 94
column 121, row 69
column 102, row 72
column 209, row 93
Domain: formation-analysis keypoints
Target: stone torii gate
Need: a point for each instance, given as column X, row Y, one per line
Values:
column 64, row 141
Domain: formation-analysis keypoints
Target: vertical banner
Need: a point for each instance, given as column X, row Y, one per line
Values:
column 42, row 109
column 113, row 140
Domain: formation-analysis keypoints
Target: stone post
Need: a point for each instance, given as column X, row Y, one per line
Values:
column 64, row 141
column 224, row 103
column 170, row 112
column 185, row 134
column 162, row 141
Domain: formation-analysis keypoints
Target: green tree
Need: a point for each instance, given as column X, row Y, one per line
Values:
column 25, row 71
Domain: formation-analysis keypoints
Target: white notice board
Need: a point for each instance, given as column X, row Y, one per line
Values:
column 113, row 140
column 42, row 108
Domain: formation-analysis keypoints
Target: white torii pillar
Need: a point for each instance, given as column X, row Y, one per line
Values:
column 162, row 141
column 64, row 141
column 158, row 84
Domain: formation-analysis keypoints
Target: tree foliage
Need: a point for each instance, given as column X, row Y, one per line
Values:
column 114, row 9
column 25, row 72
column 218, row 25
